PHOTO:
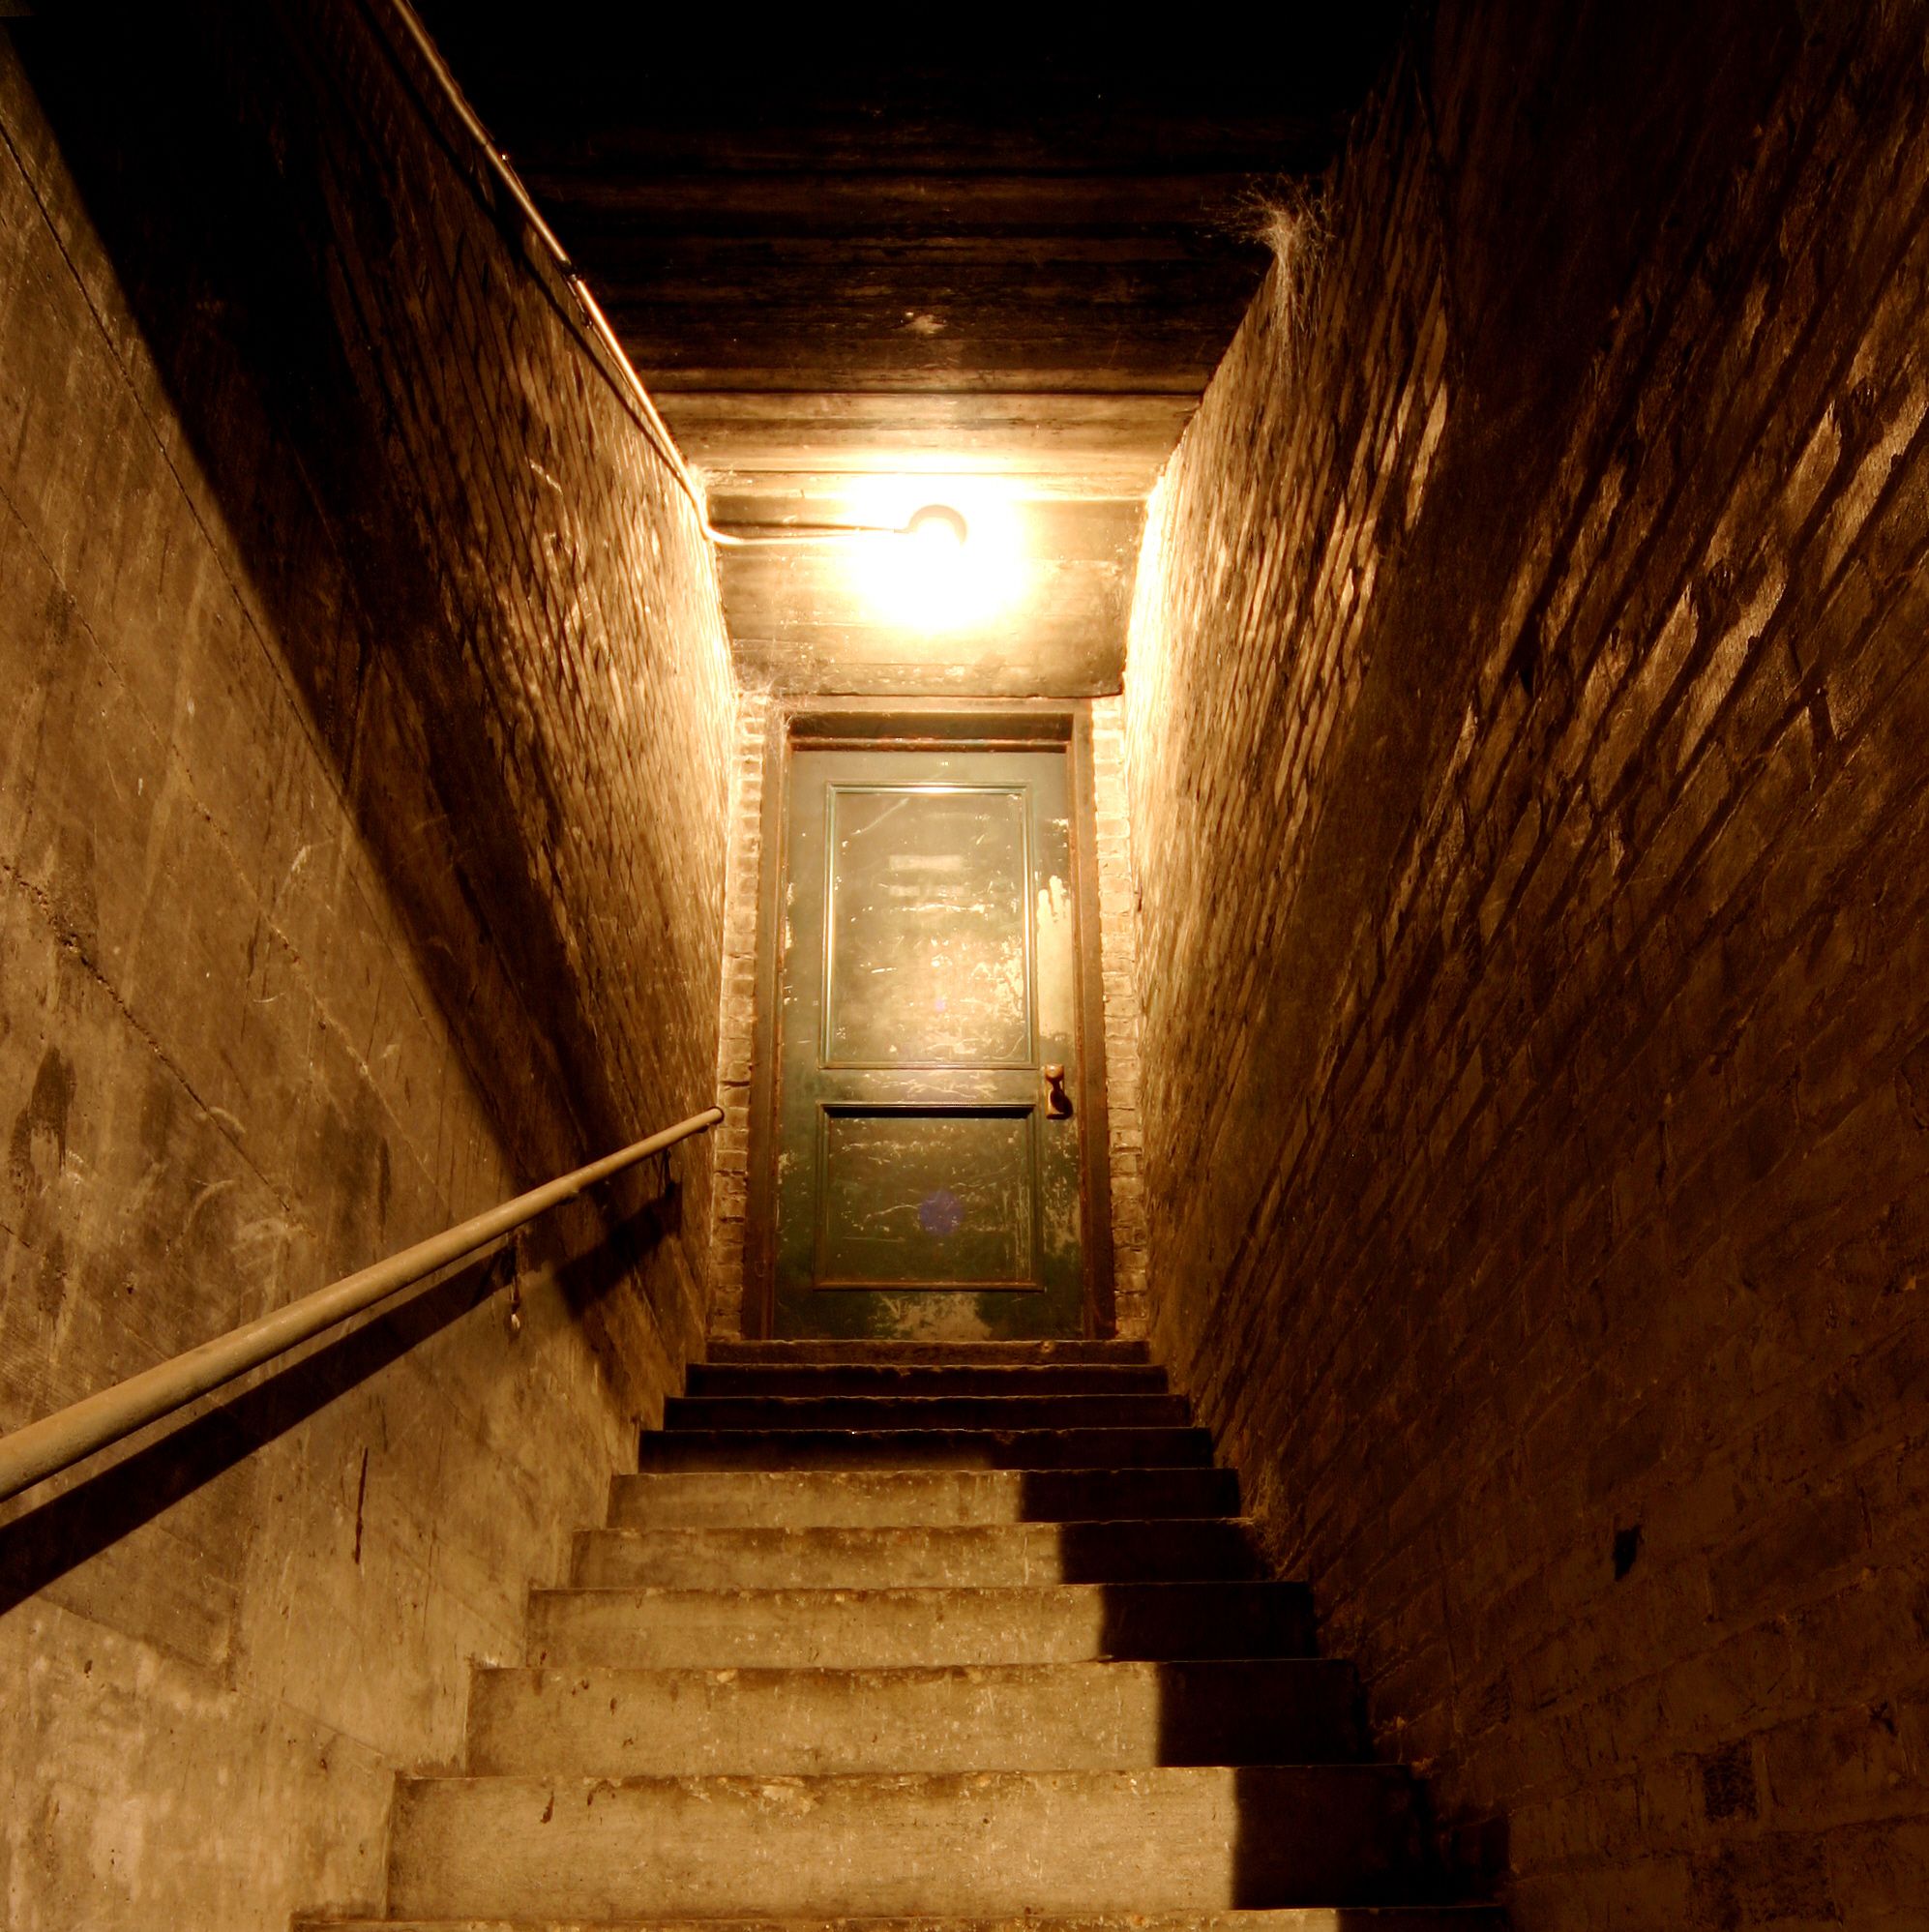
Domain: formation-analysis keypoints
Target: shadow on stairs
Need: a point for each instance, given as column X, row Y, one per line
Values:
column 946, row 1636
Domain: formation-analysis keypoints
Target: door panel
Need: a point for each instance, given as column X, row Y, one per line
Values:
column 927, row 1183
column 929, row 951
column 920, row 1199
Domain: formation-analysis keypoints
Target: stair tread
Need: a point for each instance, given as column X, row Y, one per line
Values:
column 859, row 1628
column 1169, row 1548
column 1121, row 1447
column 886, row 1676
column 963, row 1783
column 1065, row 1716
column 1278, row 1919
column 930, row 1497
column 1129, row 1410
column 1081, row 1431
column 904, row 1353
column 744, row 1378
column 839, row 1532
column 800, row 1595
column 994, row 1842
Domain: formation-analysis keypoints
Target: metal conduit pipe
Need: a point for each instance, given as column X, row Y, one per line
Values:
column 57, row 1442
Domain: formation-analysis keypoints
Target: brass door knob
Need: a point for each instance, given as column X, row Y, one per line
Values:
column 1057, row 1102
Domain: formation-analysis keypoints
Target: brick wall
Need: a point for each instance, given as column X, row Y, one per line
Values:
column 1525, row 711
column 362, row 760
column 737, row 1028
column 1118, row 966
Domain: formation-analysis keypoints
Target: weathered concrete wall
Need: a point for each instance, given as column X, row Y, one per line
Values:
column 1526, row 705
column 362, row 760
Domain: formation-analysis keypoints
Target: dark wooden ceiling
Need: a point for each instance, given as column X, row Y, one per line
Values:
column 843, row 252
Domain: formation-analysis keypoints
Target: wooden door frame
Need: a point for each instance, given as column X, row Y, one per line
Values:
column 928, row 723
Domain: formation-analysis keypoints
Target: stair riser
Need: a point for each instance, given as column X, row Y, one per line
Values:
column 1149, row 1841
column 931, row 1448
column 770, row 1723
column 892, row 1629
column 724, row 1378
column 1002, row 1558
column 830, row 1498
column 925, row 1411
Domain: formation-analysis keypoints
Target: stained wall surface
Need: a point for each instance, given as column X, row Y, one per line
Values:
column 1526, row 709
column 363, row 751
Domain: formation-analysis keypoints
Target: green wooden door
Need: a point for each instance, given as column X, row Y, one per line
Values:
column 927, row 1164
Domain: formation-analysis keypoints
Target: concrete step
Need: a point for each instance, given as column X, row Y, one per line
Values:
column 924, row 1448
column 986, row 1843
column 925, row 1411
column 991, row 1355
column 994, row 1556
column 823, row 1499
column 876, row 1629
column 1283, row 1919
column 926, row 1379
column 1102, row 1716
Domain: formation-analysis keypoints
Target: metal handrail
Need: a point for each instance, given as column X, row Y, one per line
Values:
column 57, row 1442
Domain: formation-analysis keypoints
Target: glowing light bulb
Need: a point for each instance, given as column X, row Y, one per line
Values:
column 938, row 526
column 948, row 568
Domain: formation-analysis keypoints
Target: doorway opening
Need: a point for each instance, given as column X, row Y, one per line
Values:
column 928, row 1125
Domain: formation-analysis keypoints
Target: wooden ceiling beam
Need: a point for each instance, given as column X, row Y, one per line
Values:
column 752, row 495
column 795, row 202
column 1026, row 283
column 1116, row 444
column 1179, row 249
column 861, row 141
column 864, row 373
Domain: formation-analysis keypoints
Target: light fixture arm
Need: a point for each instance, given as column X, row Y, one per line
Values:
column 747, row 536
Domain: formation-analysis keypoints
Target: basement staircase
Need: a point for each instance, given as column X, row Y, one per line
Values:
column 946, row 1636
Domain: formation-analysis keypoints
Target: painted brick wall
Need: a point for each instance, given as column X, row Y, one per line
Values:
column 737, row 1030
column 1118, row 966
column 362, row 760
column 1526, row 707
